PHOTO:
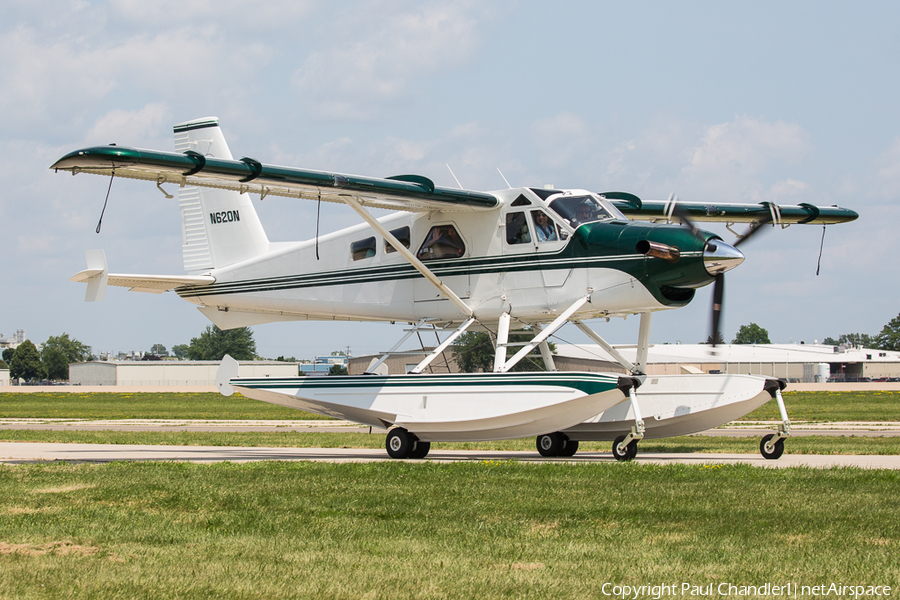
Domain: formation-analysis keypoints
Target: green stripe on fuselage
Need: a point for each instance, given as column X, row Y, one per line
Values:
column 594, row 245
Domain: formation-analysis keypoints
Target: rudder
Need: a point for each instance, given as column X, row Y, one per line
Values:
column 219, row 227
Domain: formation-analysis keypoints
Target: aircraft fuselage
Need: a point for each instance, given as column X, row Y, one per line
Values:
column 495, row 261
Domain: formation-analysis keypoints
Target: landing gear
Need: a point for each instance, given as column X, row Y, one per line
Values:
column 550, row 444
column 570, row 448
column 624, row 453
column 772, row 445
column 769, row 449
column 625, row 446
column 556, row 444
column 402, row 444
column 421, row 449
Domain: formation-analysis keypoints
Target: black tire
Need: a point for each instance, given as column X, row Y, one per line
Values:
column 399, row 443
column 630, row 450
column 550, row 444
column 420, row 449
column 776, row 452
column 570, row 448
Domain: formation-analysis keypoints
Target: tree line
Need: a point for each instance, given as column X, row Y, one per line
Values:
column 52, row 360
column 887, row 339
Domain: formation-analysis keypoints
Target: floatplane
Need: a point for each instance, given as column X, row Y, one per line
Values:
column 455, row 260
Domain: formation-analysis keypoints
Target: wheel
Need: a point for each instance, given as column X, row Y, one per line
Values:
column 570, row 448
column 776, row 452
column 551, row 444
column 630, row 450
column 420, row 449
column 399, row 443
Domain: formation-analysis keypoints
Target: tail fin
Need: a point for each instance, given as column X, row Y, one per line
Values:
column 219, row 227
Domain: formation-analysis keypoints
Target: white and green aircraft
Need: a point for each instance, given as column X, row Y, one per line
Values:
column 456, row 260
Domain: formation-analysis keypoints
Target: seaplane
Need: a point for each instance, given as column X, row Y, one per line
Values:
column 455, row 260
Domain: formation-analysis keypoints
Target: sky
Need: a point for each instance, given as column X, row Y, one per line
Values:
column 713, row 101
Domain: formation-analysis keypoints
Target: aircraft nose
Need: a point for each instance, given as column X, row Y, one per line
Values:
column 719, row 257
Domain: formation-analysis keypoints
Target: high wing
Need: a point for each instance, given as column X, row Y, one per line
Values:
column 412, row 193
column 727, row 212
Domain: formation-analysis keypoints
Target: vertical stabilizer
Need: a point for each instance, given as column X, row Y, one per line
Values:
column 219, row 227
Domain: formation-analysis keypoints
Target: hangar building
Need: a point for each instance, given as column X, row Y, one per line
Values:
column 164, row 372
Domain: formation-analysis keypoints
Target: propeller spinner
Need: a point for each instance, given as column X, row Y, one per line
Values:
column 719, row 257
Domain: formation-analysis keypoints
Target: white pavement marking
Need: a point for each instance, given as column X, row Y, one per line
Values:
column 29, row 452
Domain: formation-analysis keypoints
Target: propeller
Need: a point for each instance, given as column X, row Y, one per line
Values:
column 717, row 269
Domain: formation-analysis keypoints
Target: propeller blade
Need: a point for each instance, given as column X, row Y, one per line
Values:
column 718, row 297
column 753, row 230
column 682, row 215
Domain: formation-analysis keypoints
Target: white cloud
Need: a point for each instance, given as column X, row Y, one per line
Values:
column 377, row 55
column 131, row 125
column 742, row 149
column 787, row 189
column 561, row 139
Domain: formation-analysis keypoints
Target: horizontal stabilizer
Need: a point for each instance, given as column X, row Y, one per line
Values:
column 155, row 284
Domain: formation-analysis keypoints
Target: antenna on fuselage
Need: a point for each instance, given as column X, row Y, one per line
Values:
column 504, row 178
column 454, row 177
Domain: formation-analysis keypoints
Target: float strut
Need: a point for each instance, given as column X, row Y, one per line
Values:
column 774, row 387
column 628, row 385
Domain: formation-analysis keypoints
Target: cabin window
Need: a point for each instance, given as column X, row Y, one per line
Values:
column 521, row 201
column 517, row 228
column 545, row 229
column 443, row 241
column 402, row 235
column 362, row 249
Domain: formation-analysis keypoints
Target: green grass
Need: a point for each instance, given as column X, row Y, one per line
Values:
column 142, row 405
column 427, row 530
column 290, row 439
column 833, row 406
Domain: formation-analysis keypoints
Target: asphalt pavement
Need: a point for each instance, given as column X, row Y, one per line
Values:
column 31, row 452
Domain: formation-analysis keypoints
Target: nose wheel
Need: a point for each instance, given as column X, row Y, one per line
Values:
column 772, row 445
column 622, row 451
column 769, row 449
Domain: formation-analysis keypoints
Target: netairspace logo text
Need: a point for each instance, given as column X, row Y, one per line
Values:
column 788, row 590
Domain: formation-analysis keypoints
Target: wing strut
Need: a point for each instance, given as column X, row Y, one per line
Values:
column 443, row 346
column 606, row 346
column 504, row 367
column 409, row 256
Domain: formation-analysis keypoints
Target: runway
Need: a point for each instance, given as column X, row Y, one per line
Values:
column 34, row 452
column 735, row 429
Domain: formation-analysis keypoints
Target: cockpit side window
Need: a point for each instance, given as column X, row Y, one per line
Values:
column 579, row 209
column 443, row 241
column 517, row 228
column 545, row 228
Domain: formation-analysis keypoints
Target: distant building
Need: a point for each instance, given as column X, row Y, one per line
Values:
column 799, row 363
column 321, row 365
column 12, row 342
column 4, row 377
column 191, row 373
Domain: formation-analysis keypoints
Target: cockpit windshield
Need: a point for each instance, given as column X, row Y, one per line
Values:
column 577, row 210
